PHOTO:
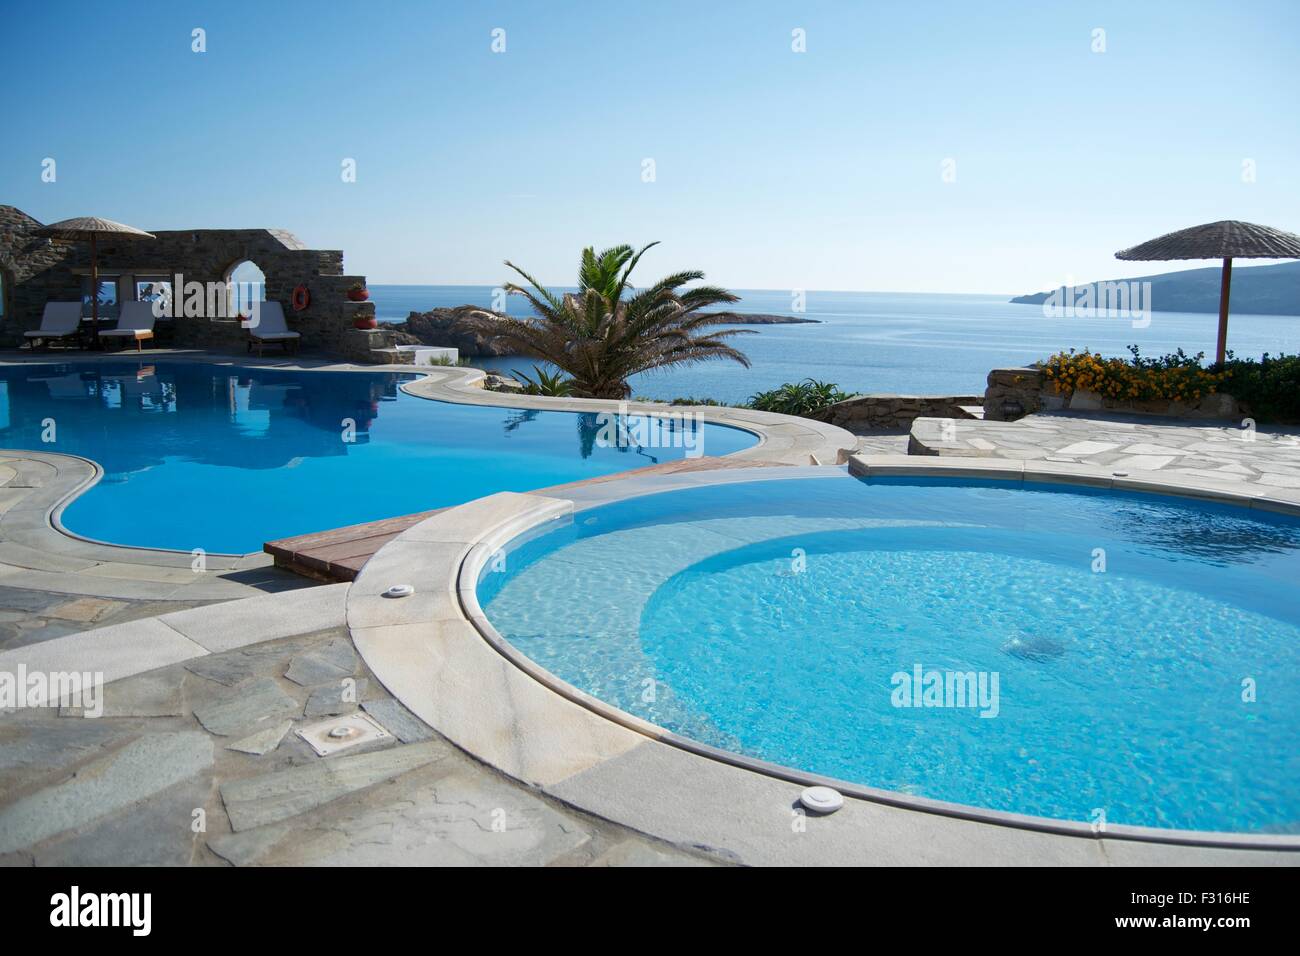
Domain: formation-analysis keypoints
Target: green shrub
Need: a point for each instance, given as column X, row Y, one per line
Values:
column 1176, row 377
column 807, row 398
column 694, row 401
column 550, row 384
column 1269, row 386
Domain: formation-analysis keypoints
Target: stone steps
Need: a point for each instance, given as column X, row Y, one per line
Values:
column 391, row 356
column 374, row 347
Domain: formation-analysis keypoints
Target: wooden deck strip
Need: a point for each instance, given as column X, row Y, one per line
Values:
column 339, row 553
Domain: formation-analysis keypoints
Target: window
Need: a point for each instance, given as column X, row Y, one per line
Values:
column 246, row 284
column 107, row 297
column 154, row 289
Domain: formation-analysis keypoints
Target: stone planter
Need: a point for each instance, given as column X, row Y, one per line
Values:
column 1218, row 405
column 1015, row 392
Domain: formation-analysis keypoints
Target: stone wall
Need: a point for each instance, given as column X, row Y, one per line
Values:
column 33, row 271
column 37, row 270
column 865, row 413
column 1015, row 392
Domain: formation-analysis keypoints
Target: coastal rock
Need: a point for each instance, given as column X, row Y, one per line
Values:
column 447, row 328
column 500, row 383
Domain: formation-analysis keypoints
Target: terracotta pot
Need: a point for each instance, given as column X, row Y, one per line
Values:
column 358, row 295
column 364, row 322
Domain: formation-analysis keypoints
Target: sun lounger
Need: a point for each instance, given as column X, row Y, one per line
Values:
column 271, row 328
column 135, row 323
column 61, row 321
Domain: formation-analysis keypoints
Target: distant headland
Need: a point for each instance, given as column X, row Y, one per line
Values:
column 1259, row 290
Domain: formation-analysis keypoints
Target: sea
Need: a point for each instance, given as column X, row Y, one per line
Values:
column 888, row 342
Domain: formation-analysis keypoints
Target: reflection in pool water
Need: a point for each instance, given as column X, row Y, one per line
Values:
column 227, row 458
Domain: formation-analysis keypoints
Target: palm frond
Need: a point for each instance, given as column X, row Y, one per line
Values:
column 601, row 337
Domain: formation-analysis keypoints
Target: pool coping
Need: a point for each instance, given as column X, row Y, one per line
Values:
column 785, row 438
column 428, row 656
column 781, row 436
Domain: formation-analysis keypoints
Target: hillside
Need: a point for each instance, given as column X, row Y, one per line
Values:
column 1262, row 290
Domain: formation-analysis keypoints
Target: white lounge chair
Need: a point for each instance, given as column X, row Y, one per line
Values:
column 135, row 322
column 271, row 327
column 61, row 321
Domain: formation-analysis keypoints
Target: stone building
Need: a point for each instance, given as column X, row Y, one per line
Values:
column 35, row 270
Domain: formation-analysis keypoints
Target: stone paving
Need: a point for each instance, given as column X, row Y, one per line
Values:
column 1268, row 457
column 882, row 443
column 199, row 764
column 28, row 616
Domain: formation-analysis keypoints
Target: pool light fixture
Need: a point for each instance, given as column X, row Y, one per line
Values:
column 821, row 799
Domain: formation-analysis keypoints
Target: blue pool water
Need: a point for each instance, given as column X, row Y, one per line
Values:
column 771, row 619
column 227, row 458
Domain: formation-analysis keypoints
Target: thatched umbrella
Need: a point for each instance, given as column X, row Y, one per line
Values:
column 89, row 229
column 1226, row 240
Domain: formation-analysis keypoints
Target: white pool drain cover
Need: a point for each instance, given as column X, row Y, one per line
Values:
column 399, row 591
column 821, row 799
column 340, row 733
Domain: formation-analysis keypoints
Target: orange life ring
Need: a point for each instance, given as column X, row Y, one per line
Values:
column 301, row 298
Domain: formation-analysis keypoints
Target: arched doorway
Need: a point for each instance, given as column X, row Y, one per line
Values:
column 245, row 284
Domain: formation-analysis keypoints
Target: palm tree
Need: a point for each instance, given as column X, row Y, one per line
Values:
column 607, row 332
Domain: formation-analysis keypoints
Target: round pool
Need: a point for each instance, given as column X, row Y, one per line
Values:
column 1057, row 651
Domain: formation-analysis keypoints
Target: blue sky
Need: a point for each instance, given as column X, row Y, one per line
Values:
column 773, row 169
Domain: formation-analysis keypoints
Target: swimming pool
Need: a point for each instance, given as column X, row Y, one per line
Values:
column 226, row 458
column 1063, row 652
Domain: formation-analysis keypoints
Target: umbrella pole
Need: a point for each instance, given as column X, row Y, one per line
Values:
column 94, row 291
column 1224, row 291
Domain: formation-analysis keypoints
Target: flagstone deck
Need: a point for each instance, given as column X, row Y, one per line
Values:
column 1223, row 457
column 195, row 760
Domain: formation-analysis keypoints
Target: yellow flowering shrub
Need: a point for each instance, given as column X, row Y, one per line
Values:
column 1177, row 377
